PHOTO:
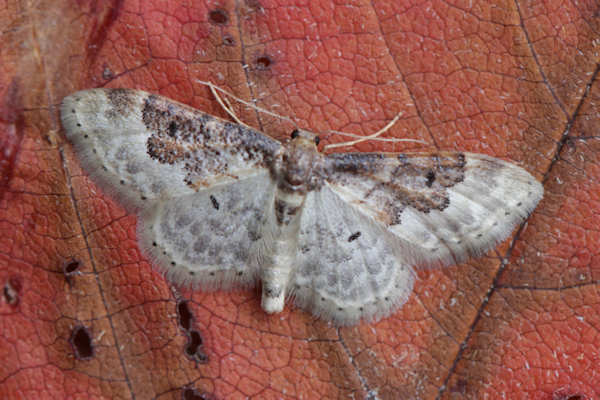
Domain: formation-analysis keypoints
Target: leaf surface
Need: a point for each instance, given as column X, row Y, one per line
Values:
column 84, row 314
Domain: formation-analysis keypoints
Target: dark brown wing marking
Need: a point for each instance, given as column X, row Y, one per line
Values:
column 395, row 182
column 206, row 146
column 440, row 207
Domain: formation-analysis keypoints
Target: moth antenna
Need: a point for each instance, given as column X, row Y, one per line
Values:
column 374, row 136
column 214, row 88
column 227, row 107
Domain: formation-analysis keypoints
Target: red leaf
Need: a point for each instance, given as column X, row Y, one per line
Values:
column 84, row 314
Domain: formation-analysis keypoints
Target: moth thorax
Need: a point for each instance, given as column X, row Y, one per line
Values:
column 298, row 165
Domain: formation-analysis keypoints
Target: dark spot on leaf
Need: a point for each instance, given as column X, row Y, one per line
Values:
column 263, row 62
column 11, row 291
column 193, row 348
column 81, row 342
column 70, row 270
column 354, row 236
column 218, row 16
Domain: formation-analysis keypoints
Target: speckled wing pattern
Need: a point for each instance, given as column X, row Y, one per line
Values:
column 380, row 214
column 222, row 205
column 348, row 267
column 201, row 185
column 440, row 207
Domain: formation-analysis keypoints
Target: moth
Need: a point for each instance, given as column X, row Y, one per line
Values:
column 221, row 205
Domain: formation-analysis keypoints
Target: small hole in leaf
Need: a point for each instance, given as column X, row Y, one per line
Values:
column 185, row 315
column 193, row 348
column 563, row 394
column 228, row 40
column 193, row 394
column 459, row 387
column 107, row 73
column 263, row 62
column 71, row 267
column 11, row 291
column 218, row 16
column 81, row 341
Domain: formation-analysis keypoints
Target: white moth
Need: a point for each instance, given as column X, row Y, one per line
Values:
column 221, row 205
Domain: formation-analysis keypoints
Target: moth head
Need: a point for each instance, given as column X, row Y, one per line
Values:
column 303, row 137
column 299, row 160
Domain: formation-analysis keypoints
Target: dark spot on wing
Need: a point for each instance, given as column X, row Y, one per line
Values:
column 284, row 211
column 354, row 236
column 214, row 201
column 172, row 128
column 430, row 178
column 419, row 181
